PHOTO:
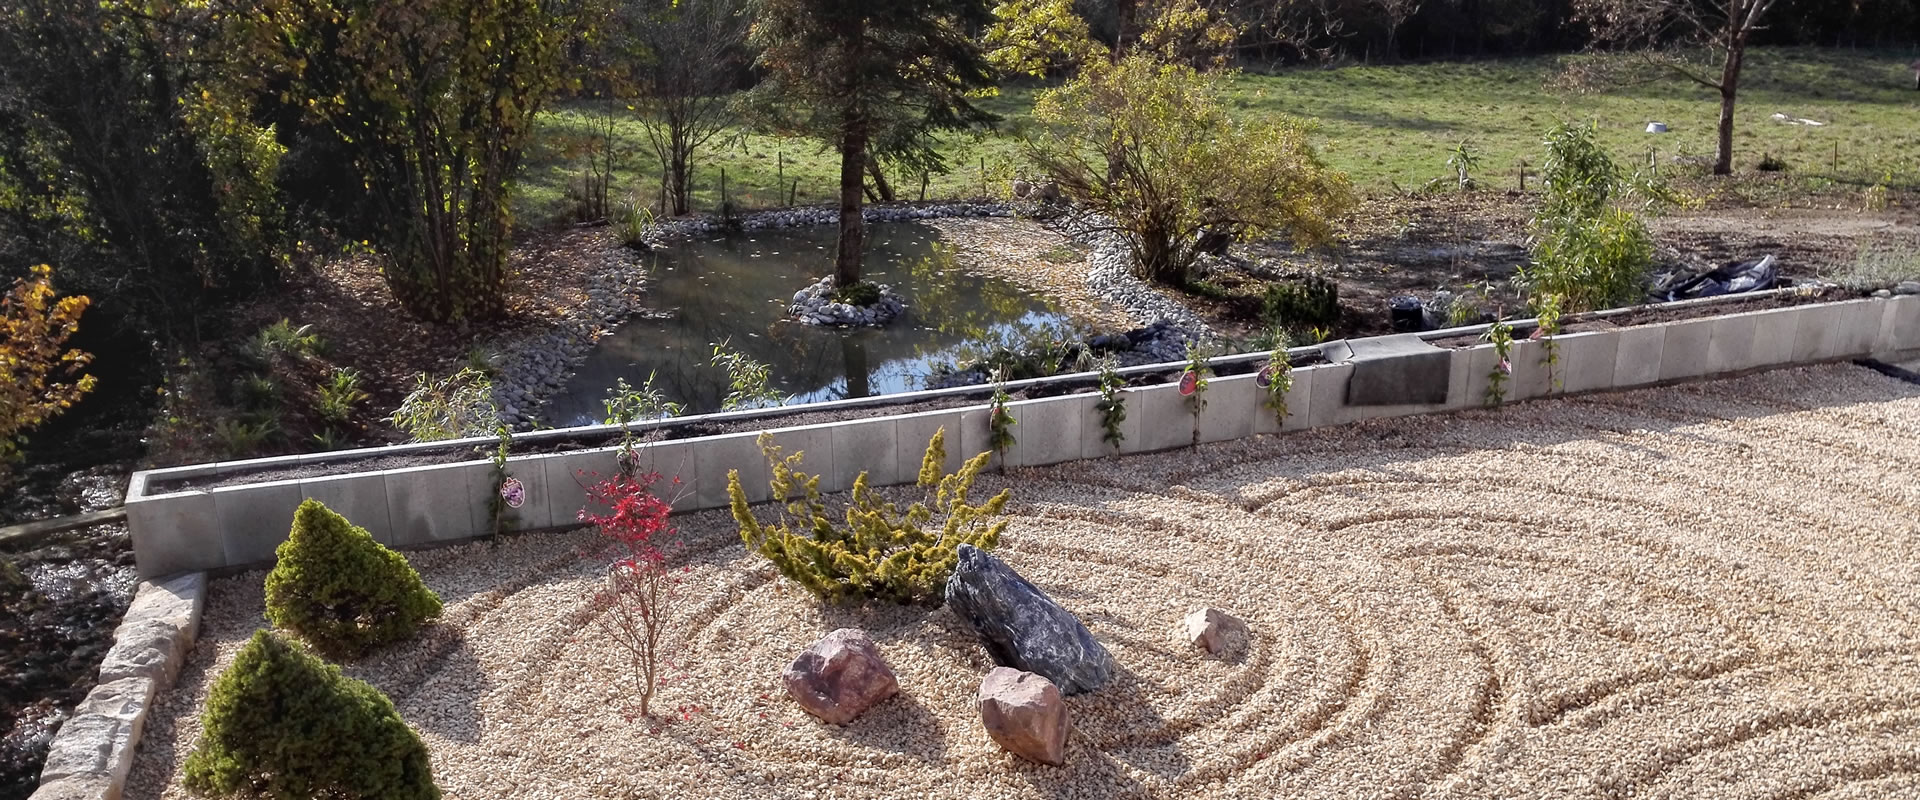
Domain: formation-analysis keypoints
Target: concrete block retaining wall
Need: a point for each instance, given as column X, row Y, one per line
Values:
column 238, row 526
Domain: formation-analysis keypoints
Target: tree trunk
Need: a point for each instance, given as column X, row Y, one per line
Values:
column 880, row 181
column 1125, row 12
column 853, row 232
column 853, row 354
column 678, row 170
column 1729, row 85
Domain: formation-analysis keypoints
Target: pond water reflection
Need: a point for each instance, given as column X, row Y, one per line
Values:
column 735, row 289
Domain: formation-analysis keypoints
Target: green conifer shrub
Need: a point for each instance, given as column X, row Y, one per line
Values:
column 282, row 724
column 879, row 553
column 342, row 591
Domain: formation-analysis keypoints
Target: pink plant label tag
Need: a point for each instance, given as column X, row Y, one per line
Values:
column 1189, row 383
column 514, row 492
column 1264, row 380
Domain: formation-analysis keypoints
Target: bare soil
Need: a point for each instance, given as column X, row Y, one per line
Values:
column 1416, row 244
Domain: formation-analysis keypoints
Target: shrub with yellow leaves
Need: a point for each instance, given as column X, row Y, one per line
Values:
column 35, row 363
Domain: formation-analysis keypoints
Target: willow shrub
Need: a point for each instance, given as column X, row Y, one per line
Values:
column 1589, row 246
column 877, row 552
column 1153, row 147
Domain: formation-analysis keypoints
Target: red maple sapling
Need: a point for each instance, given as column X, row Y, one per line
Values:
column 640, row 588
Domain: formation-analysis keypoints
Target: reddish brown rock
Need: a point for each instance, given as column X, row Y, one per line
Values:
column 1213, row 629
column 840, row 676
column 1025, row 714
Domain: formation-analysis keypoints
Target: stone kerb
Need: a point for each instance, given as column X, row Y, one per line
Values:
column 91, row 754
column 236, row 526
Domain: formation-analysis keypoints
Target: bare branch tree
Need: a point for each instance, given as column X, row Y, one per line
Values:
column 1704, row 41
column 683, row 57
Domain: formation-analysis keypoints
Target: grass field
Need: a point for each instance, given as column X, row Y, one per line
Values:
column 1387, row 126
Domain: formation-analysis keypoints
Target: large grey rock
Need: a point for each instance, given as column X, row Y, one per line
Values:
column 1025, row 714
column 1022, row 627
column 96, row 743
column 79, row 787
column 840, row 676
column 157, row 631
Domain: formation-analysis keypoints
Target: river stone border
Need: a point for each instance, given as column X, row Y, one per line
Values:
column 91, row 754
column 814, row 305
column 1110, row 275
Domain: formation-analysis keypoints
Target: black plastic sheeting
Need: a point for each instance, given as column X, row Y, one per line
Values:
column 1735, row 278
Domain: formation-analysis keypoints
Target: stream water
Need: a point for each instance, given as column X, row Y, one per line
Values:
column 735, row 289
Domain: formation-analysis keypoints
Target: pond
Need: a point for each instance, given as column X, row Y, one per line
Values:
column 734, row 289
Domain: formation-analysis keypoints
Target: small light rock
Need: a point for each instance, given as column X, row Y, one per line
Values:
column 1213, row 629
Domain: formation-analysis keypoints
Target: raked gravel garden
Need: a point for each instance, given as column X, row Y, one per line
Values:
column 1698, row 591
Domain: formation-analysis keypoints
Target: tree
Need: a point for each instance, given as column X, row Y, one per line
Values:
column 860, row 73
column 117, row 164
column 342, row 591
column 33, row 330
column 641, row 592
column 281, row 723
column 434, row 101
column 1690, row 38
column 1150, row 146
column 1035, row 37
column 680, row 58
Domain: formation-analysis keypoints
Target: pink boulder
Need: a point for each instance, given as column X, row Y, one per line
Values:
column 840, row 677
column 1025, row 714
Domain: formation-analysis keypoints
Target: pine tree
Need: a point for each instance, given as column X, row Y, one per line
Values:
column 874, row 79
column 342, row 591
column 280, row 723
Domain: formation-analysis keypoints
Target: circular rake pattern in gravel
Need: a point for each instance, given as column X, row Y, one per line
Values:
column 1704, row 591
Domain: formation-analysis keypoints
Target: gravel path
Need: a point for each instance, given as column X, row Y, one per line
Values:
column 1706, row 591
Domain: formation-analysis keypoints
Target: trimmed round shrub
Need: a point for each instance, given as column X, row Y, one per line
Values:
column 342, row 591
column 283, row 724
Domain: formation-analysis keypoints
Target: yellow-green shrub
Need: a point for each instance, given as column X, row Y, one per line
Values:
column 342, row 591
column 879, row 553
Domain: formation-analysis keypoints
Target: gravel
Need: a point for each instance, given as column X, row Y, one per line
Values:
column 1699, row 591
column 1109, row 275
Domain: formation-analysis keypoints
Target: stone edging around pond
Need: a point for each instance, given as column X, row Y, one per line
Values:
column 93, row 750
column 1110, row 276
column 529, row 366
column 815, row 305
column 240, row 525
